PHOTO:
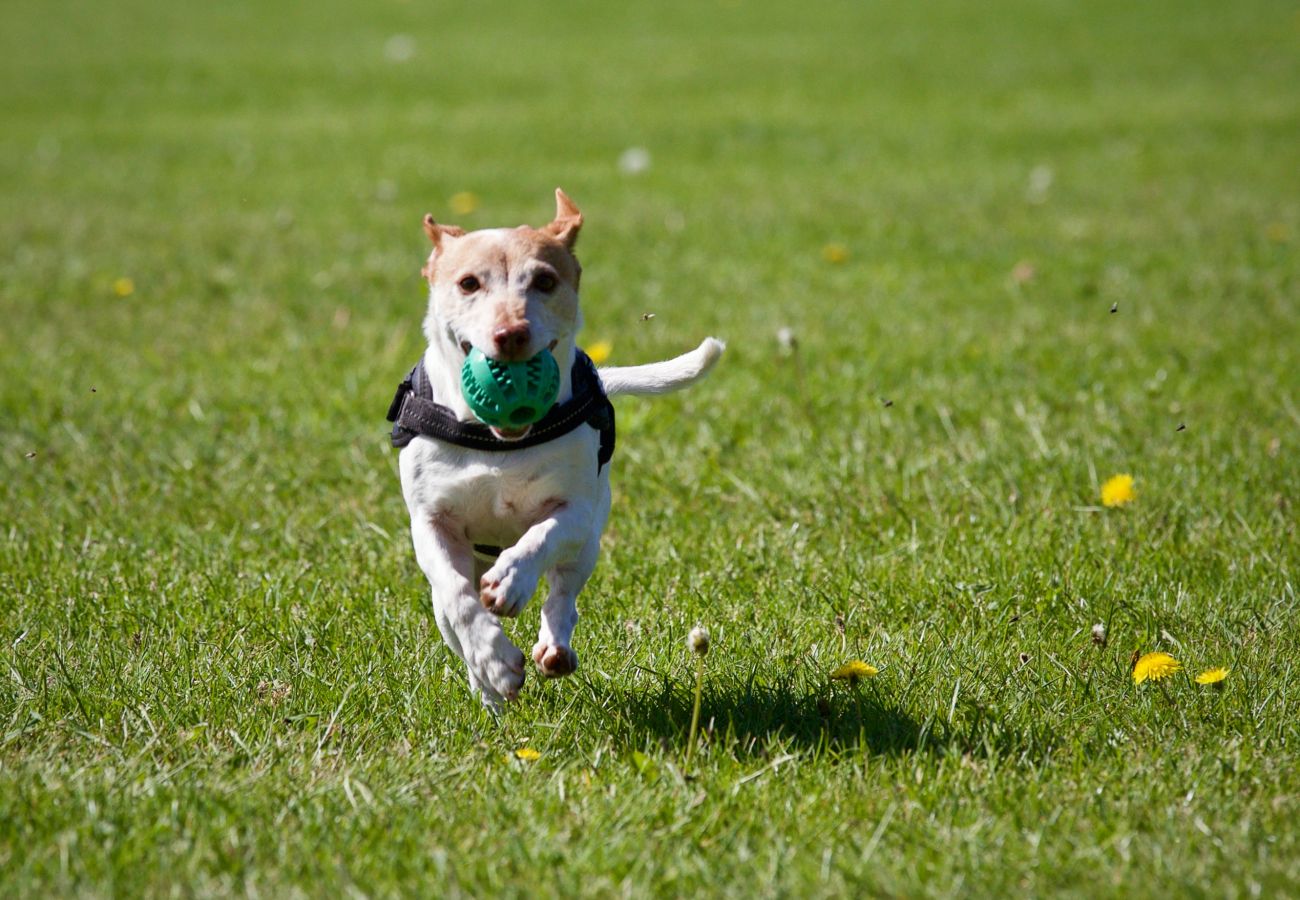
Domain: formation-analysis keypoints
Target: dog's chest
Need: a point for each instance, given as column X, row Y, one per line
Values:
column 494, row 497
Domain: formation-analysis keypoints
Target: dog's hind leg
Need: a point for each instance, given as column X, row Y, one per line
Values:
column 552, row 653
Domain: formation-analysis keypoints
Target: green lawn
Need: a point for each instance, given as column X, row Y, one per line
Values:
column 1023, row 247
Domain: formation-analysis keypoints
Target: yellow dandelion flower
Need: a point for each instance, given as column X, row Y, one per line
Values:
column 854, row 670
column 527, row 754
column 835, row 253
column 1212, row 676
column 600, row 351
column 1278, row 232
column 124, row 287
column 1118, row 490
column 1154, row 666
column 464, row 203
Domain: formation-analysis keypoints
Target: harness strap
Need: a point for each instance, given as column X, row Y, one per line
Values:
column 413, row 412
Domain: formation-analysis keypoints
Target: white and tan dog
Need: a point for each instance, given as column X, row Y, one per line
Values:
column 511, row 293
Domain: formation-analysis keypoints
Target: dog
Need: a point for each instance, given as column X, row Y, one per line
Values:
column 494, row 509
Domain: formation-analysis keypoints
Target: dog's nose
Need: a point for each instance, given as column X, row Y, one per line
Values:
column 512, row 340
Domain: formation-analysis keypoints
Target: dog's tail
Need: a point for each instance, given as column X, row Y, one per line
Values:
column 662, row 377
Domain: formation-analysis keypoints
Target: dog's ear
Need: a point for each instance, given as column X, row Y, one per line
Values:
column 437, row 232
column 567, row 222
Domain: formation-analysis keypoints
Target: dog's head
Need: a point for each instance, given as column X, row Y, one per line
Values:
column 509, row 292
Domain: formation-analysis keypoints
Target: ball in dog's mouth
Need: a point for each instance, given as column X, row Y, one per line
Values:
column 509, row 397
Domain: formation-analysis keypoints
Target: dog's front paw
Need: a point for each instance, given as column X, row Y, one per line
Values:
column 506, row 589
column 555, row 660
column 496, row 666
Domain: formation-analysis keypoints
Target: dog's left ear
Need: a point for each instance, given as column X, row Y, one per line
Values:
column 567, row 222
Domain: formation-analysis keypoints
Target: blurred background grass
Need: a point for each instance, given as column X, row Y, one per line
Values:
column 210, row 288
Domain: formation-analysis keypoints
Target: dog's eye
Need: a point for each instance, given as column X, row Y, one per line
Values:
column 469, row 285
column 544, row 282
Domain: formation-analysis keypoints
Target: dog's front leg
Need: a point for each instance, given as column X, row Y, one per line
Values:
column 496, row 666
column 559, row 536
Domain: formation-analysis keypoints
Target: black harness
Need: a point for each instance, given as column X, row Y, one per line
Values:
column 413, row 412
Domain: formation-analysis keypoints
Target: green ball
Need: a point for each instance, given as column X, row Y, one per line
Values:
column 510, row 394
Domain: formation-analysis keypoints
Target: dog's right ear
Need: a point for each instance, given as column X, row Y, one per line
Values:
column 437, row 232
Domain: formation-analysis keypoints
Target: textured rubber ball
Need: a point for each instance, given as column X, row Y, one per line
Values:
column 509, row 394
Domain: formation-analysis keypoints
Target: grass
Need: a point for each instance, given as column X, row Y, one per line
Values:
column 220, row 674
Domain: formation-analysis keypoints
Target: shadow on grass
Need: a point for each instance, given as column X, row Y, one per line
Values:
column 747, row 718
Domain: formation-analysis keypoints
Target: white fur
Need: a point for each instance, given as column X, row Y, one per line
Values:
column 547, row 505
column 662, row 377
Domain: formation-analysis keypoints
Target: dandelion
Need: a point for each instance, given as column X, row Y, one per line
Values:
column 464, row 203
column 634, row 160
column 399, row 48
column 1040, row 181
column 600, row 351
column 528, row 754
column 1277, row 232
column 788, row 343
column 698, row 642
column 1118, row 490
column 1099, row 634
column 124, row 287
column 854, row 671
column 1213, row 676
column 835, row 253
column 1154, row 666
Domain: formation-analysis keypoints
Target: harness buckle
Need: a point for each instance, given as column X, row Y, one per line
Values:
column 399, row 399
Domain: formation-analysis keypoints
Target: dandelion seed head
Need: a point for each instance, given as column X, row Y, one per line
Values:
column 634, row 160
column 399, row 48
column 698, row 641
column 1041, row 177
